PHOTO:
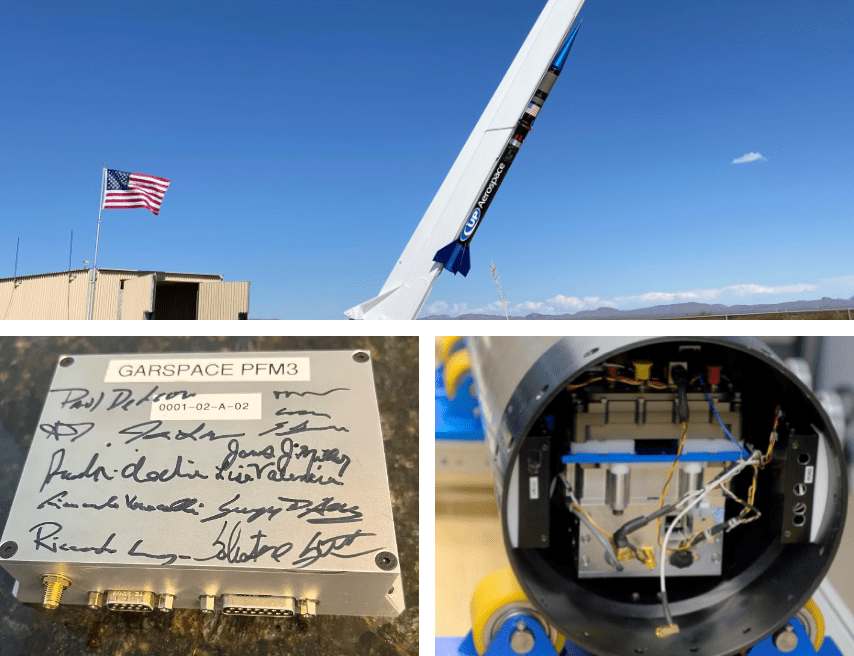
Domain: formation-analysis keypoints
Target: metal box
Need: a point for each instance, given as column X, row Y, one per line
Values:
column 251, row 483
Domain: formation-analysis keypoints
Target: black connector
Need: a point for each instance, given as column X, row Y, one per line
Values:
column 620, row 535
column 682, row 559
column 680, row 377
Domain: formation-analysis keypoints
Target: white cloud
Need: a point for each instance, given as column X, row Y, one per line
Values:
column 575, row 303
column 749, row 157
column 439, row 307
column 746, row 290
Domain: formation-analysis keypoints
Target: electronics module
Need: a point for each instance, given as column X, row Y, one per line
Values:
column 246, row 483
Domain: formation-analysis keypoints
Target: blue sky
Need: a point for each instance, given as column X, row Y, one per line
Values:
column 306, row 140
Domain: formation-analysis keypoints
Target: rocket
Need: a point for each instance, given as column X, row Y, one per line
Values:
column 455, row 256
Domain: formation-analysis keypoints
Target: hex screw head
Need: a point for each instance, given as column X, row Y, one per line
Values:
column 164, row 602
column 54, row 585
column 95, row 599
column 207, row 603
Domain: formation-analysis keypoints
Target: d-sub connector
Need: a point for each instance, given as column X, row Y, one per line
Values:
column 131, row 600
column 233, row 604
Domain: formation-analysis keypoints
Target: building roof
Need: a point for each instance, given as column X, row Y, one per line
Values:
column 214, row 276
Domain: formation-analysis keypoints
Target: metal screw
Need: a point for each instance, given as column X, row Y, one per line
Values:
column 308, row 607
column 95, row 599
column 208, row 603
column 8, row 549
column 386, row 560
column 361, row 356
column 54, row 585
column 165, row 601
column 585, row 538
column 66, row 362
column 521, row 640
column 716, row 558
column 585, row 561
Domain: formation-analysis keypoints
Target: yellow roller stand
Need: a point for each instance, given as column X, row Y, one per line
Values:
column 445, row 345
column 818, row 639
column 490, row 596
column 456, row 369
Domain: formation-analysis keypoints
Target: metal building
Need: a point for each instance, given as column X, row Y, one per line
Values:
column 122, row 294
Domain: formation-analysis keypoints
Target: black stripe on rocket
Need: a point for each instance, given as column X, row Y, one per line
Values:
column 455, row 256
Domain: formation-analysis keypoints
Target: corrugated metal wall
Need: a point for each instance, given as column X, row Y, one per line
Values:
column 107, row 293
column 224, row 300
column 137, row 298
column 48, row 296
column 64, row 295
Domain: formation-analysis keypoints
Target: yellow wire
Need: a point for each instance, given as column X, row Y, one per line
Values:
column 772, row 439
column 586, row 382
column 669, row 478
column 592, row 521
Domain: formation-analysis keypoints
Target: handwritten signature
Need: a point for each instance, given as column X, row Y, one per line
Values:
column 340, row 512
column 80, row 398
column 307, row 461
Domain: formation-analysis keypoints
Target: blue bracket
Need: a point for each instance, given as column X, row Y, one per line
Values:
column 500, row 645
column 456, row 419
column 804, row 648
column 696, row 456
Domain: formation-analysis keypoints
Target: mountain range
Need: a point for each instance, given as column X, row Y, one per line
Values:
column 678, row 310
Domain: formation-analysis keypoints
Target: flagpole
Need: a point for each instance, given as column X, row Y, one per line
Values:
column 97, row 239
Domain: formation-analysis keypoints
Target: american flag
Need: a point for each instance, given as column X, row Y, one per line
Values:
column 127, row 190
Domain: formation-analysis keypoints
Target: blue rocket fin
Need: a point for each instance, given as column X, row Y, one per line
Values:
column 455, row 257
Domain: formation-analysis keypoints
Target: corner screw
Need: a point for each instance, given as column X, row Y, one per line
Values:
column 386, row 560
column 54, row 585
column 66, row 362
column 8, row 549
column 361, row 356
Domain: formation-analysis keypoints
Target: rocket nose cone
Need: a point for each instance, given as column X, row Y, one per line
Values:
column 563, row 53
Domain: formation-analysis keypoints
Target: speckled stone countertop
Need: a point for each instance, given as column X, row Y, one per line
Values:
column 26, row 368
